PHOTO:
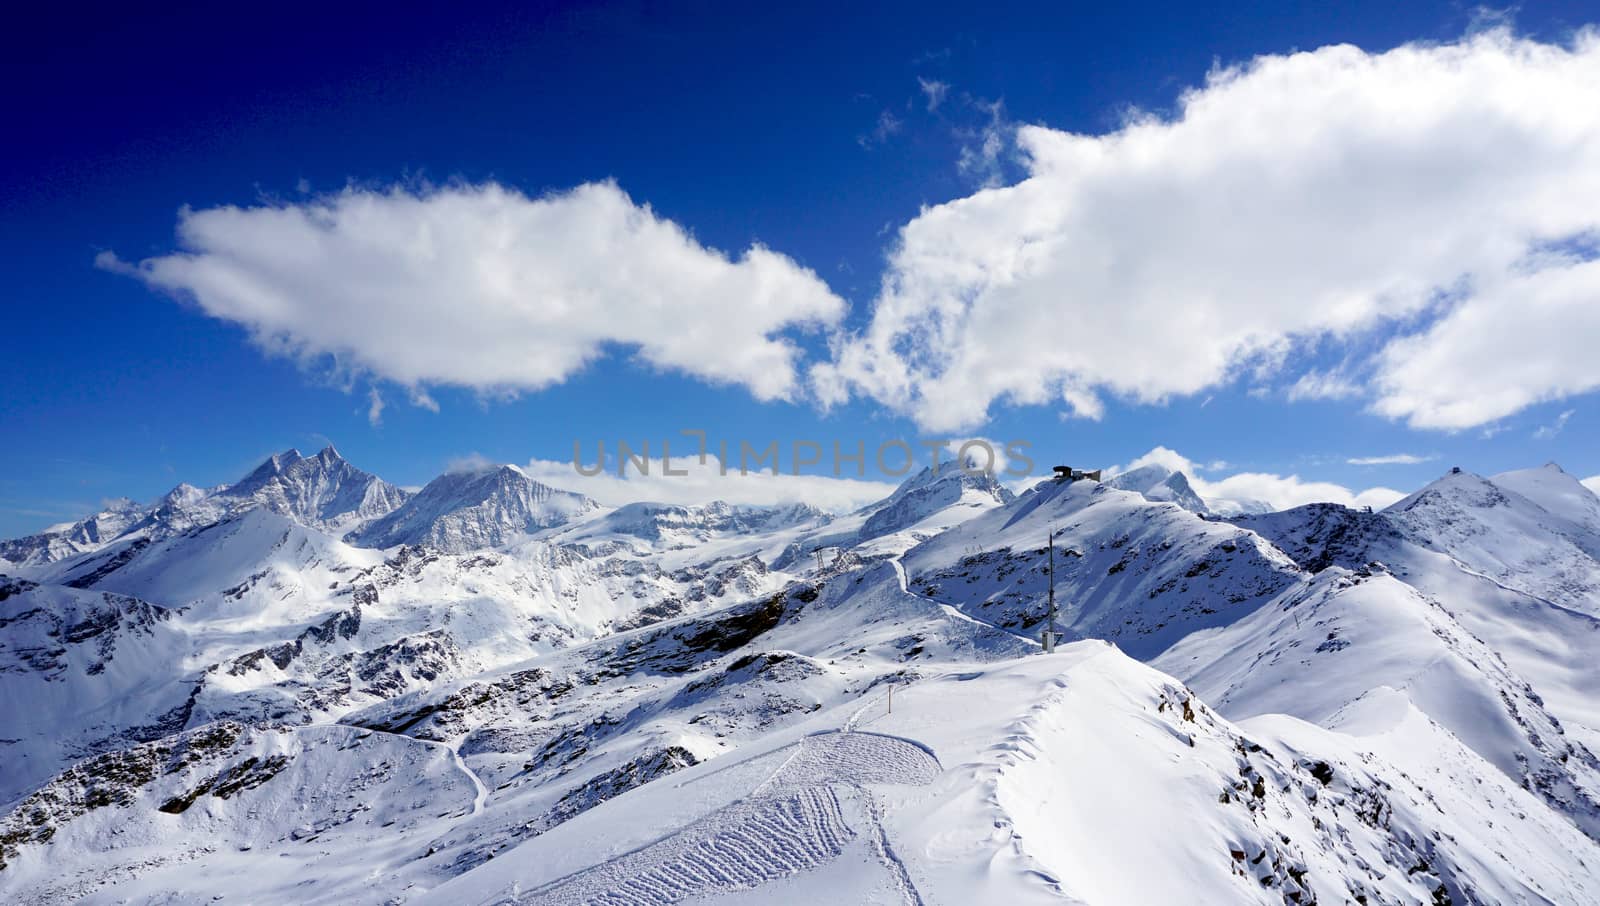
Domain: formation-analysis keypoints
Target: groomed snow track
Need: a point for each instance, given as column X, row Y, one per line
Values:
column 795, row 821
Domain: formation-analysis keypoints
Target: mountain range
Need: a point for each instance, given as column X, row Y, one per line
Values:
column 314, row 686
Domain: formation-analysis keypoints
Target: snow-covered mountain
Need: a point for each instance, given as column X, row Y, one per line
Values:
column 72, row 538
column 310, row 686
column 1157, row 482
column 926, row 504
column 322, row 491
column 472, row 509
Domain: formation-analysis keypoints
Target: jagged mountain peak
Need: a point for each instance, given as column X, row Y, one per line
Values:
column 323, row 491
column 272, row 467
column 473, row 508
column 1159, row 483
column 950, row 475
column 947, row 489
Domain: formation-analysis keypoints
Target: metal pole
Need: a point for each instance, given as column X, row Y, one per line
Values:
column 1050, row 643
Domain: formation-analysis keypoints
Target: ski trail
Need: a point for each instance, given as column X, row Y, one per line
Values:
column 954, row 613
column 794, row 821
column 855, row 716
column 886, row 854
column 900, row 573
column 482, row 792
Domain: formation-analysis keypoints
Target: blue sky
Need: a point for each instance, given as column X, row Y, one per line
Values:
column 819, row 136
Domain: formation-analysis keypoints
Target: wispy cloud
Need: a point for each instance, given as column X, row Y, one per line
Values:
column 1546, row 432
column 888, row 125
column 1323, row 385
column 374, row 407
column 983, row 149
column 934, row 90
column 422, row 399
column 1393, row 459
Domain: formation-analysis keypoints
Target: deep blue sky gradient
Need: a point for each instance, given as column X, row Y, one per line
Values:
column 742, row 123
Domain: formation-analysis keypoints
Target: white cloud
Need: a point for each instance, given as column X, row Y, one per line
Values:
column 1257, row 490
column 1593, row 484
column 934, row 90
column 704, row 483
column 1324, row 194
column 1280, row 492
column 485, row 288
column 374, row 407
column 1159, row 456
column 1323, row 385
column 1521, row 339
column 422, row 400
column 472, row 463
column 1546, row 432
column 1393, row 459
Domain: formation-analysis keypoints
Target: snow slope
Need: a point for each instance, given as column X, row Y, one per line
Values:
column 1141, row 573
column 302, row 687
column 1013, row 802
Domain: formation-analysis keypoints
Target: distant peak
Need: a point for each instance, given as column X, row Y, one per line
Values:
column 504, row 472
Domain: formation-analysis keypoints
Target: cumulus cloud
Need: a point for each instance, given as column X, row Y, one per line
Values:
column 705, row 482
column 485, row 288
column 1257, row 491
column 1392, row 459
column 1522, row 339
column 1328, row 194
column 1593, row 484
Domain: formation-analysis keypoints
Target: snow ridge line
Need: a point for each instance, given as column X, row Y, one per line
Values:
column 1006, row 754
